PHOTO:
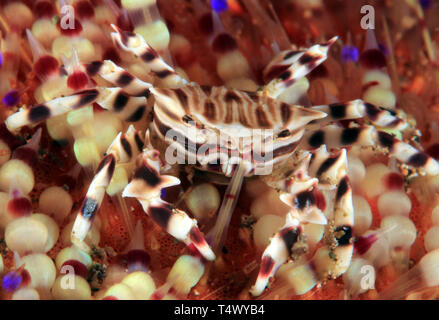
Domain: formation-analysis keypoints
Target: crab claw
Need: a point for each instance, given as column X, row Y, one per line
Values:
column 146, row 186
column 305, row 203
column 277, row 253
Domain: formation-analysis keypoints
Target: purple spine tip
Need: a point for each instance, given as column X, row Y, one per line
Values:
column 383, row 49
column 12, row 281
column 12, row 98
column 1, row 59
column 425, row 3
column 350, row 53
column 219, row 5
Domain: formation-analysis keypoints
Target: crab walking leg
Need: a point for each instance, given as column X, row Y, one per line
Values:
column 137, row 45
column 146, row 186
column 293, row 66
column 277, row 253
column 113, row 99
column 111, row 72
column 357, row 109
column 337, row 137
column 92, row 201
column 124, row 149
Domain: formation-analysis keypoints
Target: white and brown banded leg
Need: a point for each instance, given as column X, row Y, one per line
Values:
column 358, row 109
column 125, row 106
column 334, row 136
column 277, row 253
column 290, row 66
column 124, row 149
column 137, row 45
column 146, row 186
column 118, row 76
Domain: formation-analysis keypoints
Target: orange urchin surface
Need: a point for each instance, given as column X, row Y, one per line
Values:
column 93, row 167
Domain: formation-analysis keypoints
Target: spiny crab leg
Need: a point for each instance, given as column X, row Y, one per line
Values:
column 358, row 109
column 277, row 253
column 293, row 66
column 146, row 186
column 137, row 45
column 111, row 72
column 124, row 149
column 114, row 99
column 337, row 137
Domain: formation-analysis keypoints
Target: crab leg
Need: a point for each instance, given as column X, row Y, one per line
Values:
column 114, row 99
column 123, row 150
column 294, row 65
column 357, row 109
column 111, row 72
column 146, row 186
column 137, row 45
column 337, row 137
column 277, row 253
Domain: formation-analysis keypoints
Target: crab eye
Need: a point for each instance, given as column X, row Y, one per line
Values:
column 188, row 119
column 283, row 134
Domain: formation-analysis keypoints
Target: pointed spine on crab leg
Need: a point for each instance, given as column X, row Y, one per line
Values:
column 135, row 44
column 146, row 186
column 294, row 66
column 336, row 137
column 123, row 149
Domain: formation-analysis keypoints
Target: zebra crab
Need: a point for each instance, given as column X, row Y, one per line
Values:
column 299, row 139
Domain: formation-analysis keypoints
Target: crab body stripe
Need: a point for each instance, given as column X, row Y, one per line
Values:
column 241, row 111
